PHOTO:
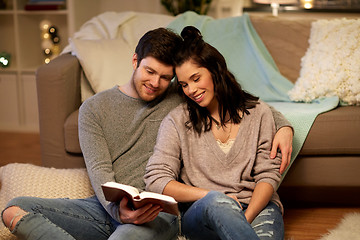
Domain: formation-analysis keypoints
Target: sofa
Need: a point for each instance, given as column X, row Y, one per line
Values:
column 326, row 169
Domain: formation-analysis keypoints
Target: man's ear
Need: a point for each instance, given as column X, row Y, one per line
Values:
column 134, row 61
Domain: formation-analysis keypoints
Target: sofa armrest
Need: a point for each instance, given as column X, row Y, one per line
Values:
column 58, row 87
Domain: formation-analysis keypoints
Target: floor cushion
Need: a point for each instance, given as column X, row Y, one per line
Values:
column 19, row 179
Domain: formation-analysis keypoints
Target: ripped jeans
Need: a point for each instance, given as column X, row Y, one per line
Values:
column 70, row 219
column 217, row 216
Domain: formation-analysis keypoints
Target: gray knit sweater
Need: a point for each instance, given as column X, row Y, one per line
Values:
column 181, row 154
column 117, row 136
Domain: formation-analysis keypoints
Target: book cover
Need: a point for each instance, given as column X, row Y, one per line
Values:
column 46, row 2
column 34, row 5
column 114, row 192
column 30, row 7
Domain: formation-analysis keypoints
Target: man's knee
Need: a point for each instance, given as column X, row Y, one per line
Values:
column 12, row 215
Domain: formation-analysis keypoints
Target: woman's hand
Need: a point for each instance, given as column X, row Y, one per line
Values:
column 261, row 196
column 235, row 198
column 139, row 216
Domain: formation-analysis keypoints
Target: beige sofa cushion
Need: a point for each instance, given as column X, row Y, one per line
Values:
column 334, row 132
column 287, row 41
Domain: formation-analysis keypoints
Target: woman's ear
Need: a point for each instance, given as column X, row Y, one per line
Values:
column 134, row 61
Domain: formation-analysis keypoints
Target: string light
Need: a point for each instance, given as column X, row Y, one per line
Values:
column 4, row 59
column 50, row 41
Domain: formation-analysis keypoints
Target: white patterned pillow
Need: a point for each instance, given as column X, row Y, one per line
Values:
column 331, row 65
column 19, row 179
column 106, row 62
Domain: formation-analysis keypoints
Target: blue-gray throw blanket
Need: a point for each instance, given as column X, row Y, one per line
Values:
column 254, row 68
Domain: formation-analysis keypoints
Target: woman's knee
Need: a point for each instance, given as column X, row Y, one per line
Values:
column 11, row 215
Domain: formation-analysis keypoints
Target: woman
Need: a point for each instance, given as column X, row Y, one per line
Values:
column 212, row 152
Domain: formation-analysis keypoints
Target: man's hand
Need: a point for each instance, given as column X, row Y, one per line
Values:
column 283, row 141
column 139, row 216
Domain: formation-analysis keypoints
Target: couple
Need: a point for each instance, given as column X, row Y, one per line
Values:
column 118, row 129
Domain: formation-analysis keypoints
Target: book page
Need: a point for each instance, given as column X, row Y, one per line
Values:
column 157, row 196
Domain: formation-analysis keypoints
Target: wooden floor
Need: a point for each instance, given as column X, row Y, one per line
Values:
column 301, row 223
column 19, row 147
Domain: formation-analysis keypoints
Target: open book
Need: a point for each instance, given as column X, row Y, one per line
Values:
column 114, row 192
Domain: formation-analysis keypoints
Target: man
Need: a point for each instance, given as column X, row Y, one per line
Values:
column 117, row 132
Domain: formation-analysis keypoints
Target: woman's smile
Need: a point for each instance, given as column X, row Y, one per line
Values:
column 198, row 98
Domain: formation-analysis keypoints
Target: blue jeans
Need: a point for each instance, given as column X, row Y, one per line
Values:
column 85, row 219
column 217, row 216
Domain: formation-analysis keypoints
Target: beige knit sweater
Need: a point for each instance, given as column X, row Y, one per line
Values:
column 181, row 154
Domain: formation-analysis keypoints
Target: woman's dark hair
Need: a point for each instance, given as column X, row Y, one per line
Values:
column 160, row 43
column 228, row 92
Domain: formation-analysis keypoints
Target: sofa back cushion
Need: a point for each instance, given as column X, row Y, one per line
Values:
column 286, row 38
